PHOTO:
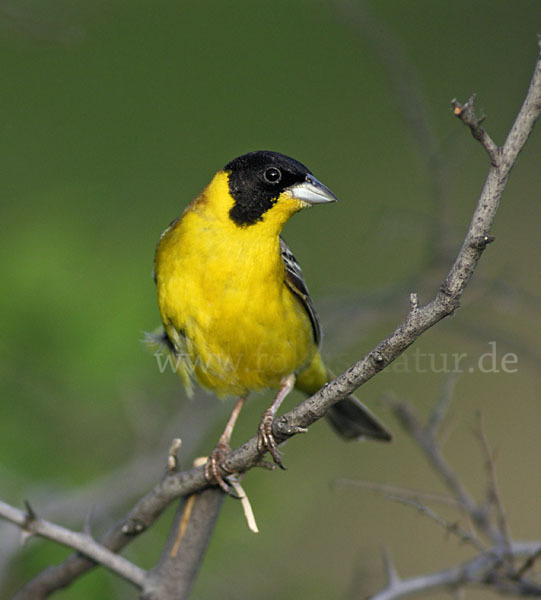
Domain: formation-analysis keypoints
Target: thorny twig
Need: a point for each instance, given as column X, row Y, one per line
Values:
column 493, row 565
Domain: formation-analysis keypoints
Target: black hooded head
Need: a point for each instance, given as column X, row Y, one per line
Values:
column 257, row 179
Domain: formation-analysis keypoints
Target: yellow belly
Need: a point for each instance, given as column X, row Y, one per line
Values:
column 249, row 342
column 241, row 328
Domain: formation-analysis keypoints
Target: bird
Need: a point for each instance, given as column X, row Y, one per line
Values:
column 236, row 312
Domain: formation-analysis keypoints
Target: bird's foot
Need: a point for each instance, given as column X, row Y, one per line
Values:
column 265, row 438
column 215, row 463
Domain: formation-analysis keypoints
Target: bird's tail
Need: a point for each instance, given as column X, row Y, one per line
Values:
column 352, row 420
column 349, row 417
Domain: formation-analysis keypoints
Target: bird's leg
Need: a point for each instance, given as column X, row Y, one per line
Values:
column 216, row 460
column 265, row 437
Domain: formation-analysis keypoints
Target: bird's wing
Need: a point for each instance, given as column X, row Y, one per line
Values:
column 177, row 357
column 295, row 282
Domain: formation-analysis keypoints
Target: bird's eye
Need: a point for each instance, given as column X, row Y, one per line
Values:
column 272, row 175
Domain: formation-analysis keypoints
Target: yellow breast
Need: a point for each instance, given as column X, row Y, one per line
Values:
column 222, row 287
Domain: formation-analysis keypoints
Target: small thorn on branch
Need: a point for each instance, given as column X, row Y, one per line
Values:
column 30, row 519
column 391, row 574
column 30, row 513
column 414, row 302
column 482, row 241
column 378, row 360
column 528, row 564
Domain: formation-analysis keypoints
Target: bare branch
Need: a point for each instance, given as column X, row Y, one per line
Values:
column 30, row 523
column 493, row 493
column 440, row 408
column 466, row 113
column 449, row 526
column 429, row 445
column 393, row 490
column 481, row 569
column 174, row 575
column 492, row 566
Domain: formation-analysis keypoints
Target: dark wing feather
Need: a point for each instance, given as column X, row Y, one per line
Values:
column 295, row 282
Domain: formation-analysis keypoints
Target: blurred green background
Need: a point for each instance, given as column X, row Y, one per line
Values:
column 114, row 116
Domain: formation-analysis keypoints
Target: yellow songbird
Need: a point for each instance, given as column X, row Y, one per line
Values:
column 236, row 312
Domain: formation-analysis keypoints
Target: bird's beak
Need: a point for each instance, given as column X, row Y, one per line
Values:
column 311, row 191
